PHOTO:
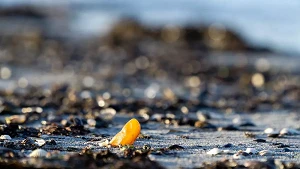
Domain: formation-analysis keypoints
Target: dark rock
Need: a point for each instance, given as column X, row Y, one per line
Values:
column 175, row 147
column 260, row 140
column 228, row 145
column 228, row 128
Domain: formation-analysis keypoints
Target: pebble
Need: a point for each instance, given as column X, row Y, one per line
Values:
column 107, row 114
column 91, row 122
column 228, row 128
column 5, row 137
column 51, row 142
column 104, row 143
column 202, row 116
column 274, row 135
column 265, row 153
column 289, row 131
column 269, row 131
column 40, row 142
column 176, row 147
column 146, row 147
column 243, row 122
column 249, row 135
column 227, row 151
column 228, row 145
column 15, row 119
column 260, row 140
column 214, row 151
column 251, row 151
column 240, row 155
column 38, row 153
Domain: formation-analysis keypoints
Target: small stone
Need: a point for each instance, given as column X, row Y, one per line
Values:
column 240, row 155
column 228, row 128
column 202, row 116
column 40, row 142
column 51, row 142
column 274, row 135
column 214, row 151
column 204, row 125
column 265, row 153
column 28, row 141
column 260, row 140
column 91, row 122
column 104, row 143
column 243, row 122
column 247, row 124
column 176, row 147
column 107, row 114
column 289, row 131
column 269, row 131
column 37, row 153
column 15, row 119
column 227, row 151
column 5, row 137
column 228, row 145
column 251, row 151
column 281, row 145
column 249, row 135
column 146, row 147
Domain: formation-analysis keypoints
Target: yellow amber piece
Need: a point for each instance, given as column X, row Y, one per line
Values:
column 128, row 134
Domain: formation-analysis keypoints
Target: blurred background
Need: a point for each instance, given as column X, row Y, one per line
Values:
column 227, row 54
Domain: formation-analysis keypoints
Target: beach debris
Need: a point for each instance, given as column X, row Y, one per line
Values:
column 214, row 151
column 37, row 153
column 128, row 134
column 5, row 137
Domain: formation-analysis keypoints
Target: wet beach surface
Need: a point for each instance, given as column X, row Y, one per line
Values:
column 204, row 96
